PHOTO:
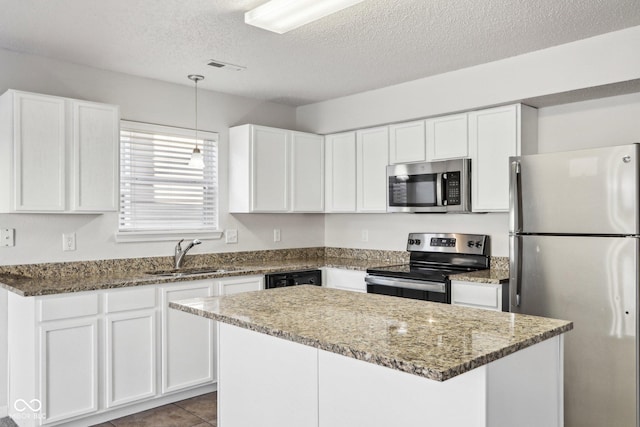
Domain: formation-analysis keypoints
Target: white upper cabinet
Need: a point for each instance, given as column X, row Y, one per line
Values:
column 57, row 154
column 407, row 142
column 307, row 172
column 372, row 150
column 447, row 137
column 340, row 172
column 269, row 169
column 95, row 157
column 496, row 134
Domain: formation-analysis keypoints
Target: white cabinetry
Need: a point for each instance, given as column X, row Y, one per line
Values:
column 372, row 153
column 496, row 134
column 407, row 142
column 57, row 154
column 130, row 352
column 348, row 280
column 87, row 356
column 340, row 172
column 188, row 342
column 356, row 171
column 236, row 285
column 480, row 295
column 447, row 137
column 275, row 170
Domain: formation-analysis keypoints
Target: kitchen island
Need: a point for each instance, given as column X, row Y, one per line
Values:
column 311, row 356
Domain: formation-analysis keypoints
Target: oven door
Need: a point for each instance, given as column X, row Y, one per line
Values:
column 409, row 288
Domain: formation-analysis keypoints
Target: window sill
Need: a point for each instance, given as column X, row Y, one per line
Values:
column 164, row 236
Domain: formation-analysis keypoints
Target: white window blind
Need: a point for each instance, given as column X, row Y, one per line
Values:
column 158, row 190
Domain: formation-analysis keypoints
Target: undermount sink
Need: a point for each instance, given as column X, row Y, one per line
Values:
column 188, row 271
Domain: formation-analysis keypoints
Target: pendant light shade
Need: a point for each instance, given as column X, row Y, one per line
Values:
column 197, row 160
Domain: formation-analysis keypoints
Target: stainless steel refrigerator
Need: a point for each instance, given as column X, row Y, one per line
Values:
column 574, row 255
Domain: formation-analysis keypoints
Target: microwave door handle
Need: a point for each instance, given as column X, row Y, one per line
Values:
column 440, row 200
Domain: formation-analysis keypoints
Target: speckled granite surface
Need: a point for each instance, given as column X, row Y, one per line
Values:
column 431, row 340
column 57, row 278
column 492, row 276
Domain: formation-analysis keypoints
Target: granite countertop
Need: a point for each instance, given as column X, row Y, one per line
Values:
column 431, row 340
column 494, row 276
column 25, row 285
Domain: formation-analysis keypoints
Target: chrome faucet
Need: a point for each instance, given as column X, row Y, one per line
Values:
column 180, row 254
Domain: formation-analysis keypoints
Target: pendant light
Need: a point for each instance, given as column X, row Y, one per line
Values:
column 197, row 160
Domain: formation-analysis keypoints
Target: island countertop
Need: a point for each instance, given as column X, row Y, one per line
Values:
column 432, row 340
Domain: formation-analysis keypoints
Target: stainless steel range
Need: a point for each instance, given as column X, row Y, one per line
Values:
column 433, row 258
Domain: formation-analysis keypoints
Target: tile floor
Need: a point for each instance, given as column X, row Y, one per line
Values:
column 199, row 411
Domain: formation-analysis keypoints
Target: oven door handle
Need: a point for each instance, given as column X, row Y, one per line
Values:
column 420, row 285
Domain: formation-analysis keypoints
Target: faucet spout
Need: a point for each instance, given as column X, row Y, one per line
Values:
column 179, row 254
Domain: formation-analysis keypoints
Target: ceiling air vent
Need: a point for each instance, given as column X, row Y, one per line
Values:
column 219, row 64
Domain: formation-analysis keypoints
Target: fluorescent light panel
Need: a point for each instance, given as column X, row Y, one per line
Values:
column 281, row 16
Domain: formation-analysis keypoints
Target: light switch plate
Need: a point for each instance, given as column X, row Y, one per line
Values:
column 276, row 234
column 365, row 235
column 231, row 235
column 7, row 237
column 69, row 242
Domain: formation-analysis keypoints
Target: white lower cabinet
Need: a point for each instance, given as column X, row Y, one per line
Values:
column 83, row 358
column 348, row 280
column 236, row 285
column 188, row 341
column 480, row 295
column 130, row 345
column 69, row 369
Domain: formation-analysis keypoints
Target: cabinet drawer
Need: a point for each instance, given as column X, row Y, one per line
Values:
column 476, row 295
column 130, row 299
column 68, row 306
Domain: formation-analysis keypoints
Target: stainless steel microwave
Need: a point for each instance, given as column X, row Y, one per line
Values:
column 430, row 187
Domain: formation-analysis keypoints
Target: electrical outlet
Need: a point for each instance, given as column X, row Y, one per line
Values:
column 231, row 236
column 276, row 234
column 7, row 236
column 69, row 242
column 365, row 235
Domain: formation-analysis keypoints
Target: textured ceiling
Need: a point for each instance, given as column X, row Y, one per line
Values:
column 374, row 44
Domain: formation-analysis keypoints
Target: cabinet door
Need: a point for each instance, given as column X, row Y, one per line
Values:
column 477, row 295
column 407, row 143
column 493, row 137
column 372, row 161
column 349, row 280
column 39, row 150
column 340, row 172
column 307, row 172
column 188, row 341
column 270, row 166
column 236, row 285
column 130, row 361
column 69, row 368
column 447, row 138
column 96, row 139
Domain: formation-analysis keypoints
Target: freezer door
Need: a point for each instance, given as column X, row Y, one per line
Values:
column 577, row 192
column 593, row 282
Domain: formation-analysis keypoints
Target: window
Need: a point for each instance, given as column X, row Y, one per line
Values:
column 160, row 195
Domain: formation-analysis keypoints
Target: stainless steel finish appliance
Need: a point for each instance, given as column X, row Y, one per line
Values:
column 293, row 278
column 430, row 187
column 433, row 258
column 574, row 251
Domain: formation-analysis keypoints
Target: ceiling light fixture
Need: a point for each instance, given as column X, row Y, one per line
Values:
column 197, row 160
column 281, row 16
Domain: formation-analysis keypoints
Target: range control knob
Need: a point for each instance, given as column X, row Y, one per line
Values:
column 418, row 241
column 478, row 244
column 412, row 242
column 470, row 243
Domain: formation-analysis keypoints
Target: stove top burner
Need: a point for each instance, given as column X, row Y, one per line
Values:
column 419, row 272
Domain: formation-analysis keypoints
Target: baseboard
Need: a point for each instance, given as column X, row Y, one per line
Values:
column 4, row 411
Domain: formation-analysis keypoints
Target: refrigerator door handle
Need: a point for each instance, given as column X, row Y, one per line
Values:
column 515, row 269
column 515, row 198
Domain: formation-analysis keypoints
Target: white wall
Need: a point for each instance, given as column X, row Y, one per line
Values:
column 605, row 59
column 39, row 237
